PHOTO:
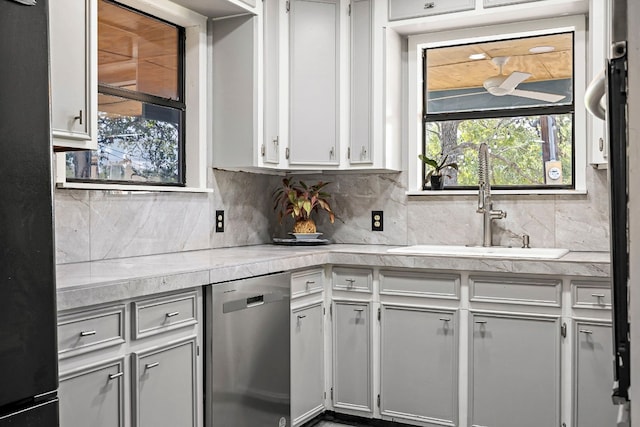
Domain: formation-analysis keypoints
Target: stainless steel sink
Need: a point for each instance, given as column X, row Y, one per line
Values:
column 481, row 251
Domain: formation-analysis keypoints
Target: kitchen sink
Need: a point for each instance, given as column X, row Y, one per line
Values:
column 481, row 251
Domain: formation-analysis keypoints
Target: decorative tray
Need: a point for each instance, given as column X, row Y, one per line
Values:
column 299, row 242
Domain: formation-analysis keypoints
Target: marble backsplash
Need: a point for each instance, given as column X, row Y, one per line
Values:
column 94, row 225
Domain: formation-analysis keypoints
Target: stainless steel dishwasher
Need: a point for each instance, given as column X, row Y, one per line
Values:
column 248, row 353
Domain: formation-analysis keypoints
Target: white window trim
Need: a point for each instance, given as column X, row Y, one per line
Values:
column 493, row 32
column 195, row 99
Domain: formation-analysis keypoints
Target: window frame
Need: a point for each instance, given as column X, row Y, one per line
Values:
column 416, row 108
column 195, row 100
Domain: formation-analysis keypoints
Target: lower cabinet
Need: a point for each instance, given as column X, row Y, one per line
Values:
column 164, row 383
column 514, row 370
column 119, row 381
column 93, row 395
column 593, row 373
column 307, row 363
column 352, row 356
column 419, row 365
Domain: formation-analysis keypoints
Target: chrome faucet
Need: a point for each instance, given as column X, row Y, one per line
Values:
column 485, row 204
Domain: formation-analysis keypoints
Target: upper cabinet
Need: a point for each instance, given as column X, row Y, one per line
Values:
column 404, row 9
column 73, row 50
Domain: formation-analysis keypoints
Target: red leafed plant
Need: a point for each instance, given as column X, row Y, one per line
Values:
column 299, row 200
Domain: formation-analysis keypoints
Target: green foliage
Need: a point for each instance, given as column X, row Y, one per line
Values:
column 438, row 164
column 299, row 200
column 515, row 147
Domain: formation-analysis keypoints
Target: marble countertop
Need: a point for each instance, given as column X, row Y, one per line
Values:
column 97, row 282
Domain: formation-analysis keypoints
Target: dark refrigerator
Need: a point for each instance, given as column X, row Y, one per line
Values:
column 28, row 347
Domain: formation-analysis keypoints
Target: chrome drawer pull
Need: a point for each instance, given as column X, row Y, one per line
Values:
column 429, row 5
column 175, row 313
column 597, row 295
column 444, row 319
column 151, row 365
column 350, row 281
column 87, row 333
column 301, row 316
column 586, row 331
column 481, row 322
column 359, row 310
column 311, row 282
column 114, row 376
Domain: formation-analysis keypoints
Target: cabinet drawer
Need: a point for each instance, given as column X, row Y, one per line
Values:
column 352, row 279
column 404, row 9
column 493, row 3
column 591, row 295
column 90, row 330
column 420, row 284
column 307, row 282
column 515, row 291
column 154, row 316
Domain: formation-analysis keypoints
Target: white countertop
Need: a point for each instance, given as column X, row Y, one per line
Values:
column 97, row 282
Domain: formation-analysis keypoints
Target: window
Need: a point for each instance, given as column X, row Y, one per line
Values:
column 141, row 102
column 516, row 87
column 515, row 95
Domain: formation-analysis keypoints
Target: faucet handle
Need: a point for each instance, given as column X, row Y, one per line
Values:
column 525, row 241
column 497, row 214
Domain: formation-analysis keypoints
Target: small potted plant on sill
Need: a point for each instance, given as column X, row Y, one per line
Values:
column 436, row 175
column 300, row 200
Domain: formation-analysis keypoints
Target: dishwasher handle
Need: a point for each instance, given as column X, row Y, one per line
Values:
column 253, row 301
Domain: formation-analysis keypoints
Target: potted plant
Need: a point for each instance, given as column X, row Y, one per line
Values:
column 436, row 175
column 300, row 200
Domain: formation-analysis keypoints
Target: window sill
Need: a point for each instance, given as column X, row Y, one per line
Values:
column 540, row 192
column 136, row 188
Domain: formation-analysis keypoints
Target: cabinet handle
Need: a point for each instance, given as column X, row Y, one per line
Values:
column 586, row 331
column 429, row 5
column 444, row 319
column 331, row 153
column 114, row 376
column 173, row 314
column 87, row 333
column 481, row 322
column 79, row 117
column 350, row 281
column 310, row 282
column 301, row 316
column 359, row 310
column 597, row 295
column 151, row 365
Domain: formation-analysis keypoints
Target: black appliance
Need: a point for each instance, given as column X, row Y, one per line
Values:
column 28, row 344
column 616, row 116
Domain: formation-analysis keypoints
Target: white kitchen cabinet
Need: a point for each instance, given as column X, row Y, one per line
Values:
column 74, row 87
column 136, row 359
column 165, row 385
column 314, row 112
column 307, row 362
column 419, row 364
column 405, row 9
column 361, row 123
column 352, row 380
column 514, row 370
column 93, row 395
column 593, row 373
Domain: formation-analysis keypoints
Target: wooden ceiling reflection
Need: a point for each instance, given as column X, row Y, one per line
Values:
column 451, row 67
column 135, row 52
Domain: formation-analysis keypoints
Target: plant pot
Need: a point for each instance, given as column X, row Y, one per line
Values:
column 304, row 226
column 437, row 182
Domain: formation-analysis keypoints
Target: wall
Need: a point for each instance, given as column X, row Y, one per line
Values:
column 94, row 225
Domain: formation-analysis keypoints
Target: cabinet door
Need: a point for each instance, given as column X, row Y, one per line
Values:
column 164, row 381
column 93, row 396
column 272, row 52
column 73, row 29
column 419, row 364
column 515, row 371
column 307, row 363
column 314, row 73
column 361, row 80
column 404, row 9
column 593, row 373
column 352, row 356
